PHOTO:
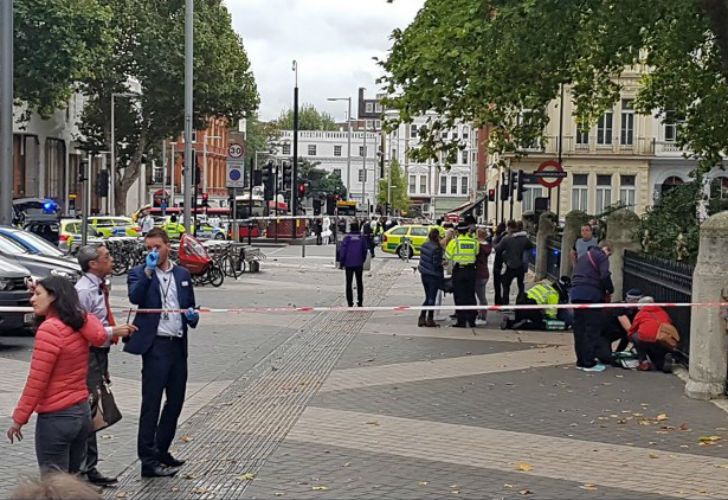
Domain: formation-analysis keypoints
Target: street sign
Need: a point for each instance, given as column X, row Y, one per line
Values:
column 235, row 177
column 235, row 150
column 550, row 169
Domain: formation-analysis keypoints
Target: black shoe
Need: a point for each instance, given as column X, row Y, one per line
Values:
column 472, row 325
column 668, row 363
column 170, row 461
column 504, row 324
column 95, row 477
column 459, row 325
column 158, row 471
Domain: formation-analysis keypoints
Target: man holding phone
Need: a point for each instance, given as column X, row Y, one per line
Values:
column 162, row 343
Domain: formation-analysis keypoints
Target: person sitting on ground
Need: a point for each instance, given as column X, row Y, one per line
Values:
column 618, row 321
column 643, row 334
column 55, row 486
column 543, row 293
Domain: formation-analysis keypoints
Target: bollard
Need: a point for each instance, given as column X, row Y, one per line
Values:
column 572, row 231
column 620, row 231
column 546, row 229
column 708, row 334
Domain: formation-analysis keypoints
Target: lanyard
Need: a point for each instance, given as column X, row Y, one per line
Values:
column 164, row 292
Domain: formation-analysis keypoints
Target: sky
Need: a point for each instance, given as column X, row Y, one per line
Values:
column 333, row 42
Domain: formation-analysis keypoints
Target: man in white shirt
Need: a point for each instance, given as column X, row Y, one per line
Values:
column 147, row 222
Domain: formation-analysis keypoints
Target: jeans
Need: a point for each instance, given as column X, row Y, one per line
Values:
column 350, row 272
column 60, row 438
column 519, row 273
column 588, row 342
column 482, row 299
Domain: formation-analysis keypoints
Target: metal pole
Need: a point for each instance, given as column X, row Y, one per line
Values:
column 348, row 154
column 172, row 164
column 204, row 173
column 497, row 192
column 510, row 192
column 294, row 188
column 86, row 199
column 561, row 144
column 6, row 112
column 275, row 200
column 112, row 169
column 235, row 232
column 253, row 161
column 164, row 168
column 189, row 85
column 364, row 163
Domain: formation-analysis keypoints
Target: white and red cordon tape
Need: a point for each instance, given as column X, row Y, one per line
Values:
column 399, row 309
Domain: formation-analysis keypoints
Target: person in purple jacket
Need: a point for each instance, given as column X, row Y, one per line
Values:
column 352, row 254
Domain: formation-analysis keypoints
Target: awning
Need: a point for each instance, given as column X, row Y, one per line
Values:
column 467, row 208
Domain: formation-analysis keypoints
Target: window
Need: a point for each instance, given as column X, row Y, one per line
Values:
column 604, row 192
column 604, row 128
column 418, row 231
column 719, row 188
column 529, row 198
column 286, row 149
column 444, row 135
column 627, row 190
column 455, row 136
column 579, row 191
column 369, row 107
column 672, row 127
column 582, row 134
column 423, row 184
column 337, row 150
column 465, row 157
column 337, row 172
column 399, row 231
column 312, row 150
column 453, row 185
column 413, row 131
column 394, row 154
column 412, row 184
column 443, row 184
column 362, row 175
column 362, row 150
column 626, row 137
column 465, row 133
column 464, row 185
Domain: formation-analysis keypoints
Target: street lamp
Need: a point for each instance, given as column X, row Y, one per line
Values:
column 112, row 170
column 6, row 112
column 294, row 190
column 348, row 154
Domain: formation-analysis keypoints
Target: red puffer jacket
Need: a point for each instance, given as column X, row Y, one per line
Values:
column 647, row 322
column 58, row 368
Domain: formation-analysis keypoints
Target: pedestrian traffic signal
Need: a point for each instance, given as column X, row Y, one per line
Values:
column 521, row 185
column 491, row 195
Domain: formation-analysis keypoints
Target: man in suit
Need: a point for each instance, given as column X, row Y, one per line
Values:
column 162, row 343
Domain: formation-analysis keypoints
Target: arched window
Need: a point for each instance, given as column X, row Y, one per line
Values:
column 719, row 188
column 670, row 183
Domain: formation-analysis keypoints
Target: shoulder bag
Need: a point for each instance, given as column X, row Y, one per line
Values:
column 667, row 335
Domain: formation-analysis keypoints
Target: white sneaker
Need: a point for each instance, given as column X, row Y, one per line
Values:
column 481, row 322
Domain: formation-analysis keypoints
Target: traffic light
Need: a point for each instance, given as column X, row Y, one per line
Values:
column 267, row 178
column 257, row 178
column 302, row 188
column 513, row 181
column 520, row 185
column 205, row 200
column 505, row 193
column 317, row 206
column 287, row 174
column 491, row 195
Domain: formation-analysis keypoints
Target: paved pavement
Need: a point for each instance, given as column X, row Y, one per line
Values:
column 367, row 405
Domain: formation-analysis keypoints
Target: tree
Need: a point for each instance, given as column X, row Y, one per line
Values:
column 260, row 137
column 400, row 201
column 320, row 181
column 149, row 47
column 56, row 45
column 309, row 118
column 486, row 61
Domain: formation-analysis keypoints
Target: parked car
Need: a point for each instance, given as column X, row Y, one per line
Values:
column 70, row 234
column 393, row 239
column 14, row 293
column 40, row 266
column 31, row 241
column 114, row 226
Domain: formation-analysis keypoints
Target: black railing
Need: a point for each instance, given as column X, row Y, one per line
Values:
column 666, row 281
column 553, row 261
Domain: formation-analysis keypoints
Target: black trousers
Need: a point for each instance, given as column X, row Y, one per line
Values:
column 60, row 439
column 164, row 370
column 652, row 350
column 588, row 341
column 350, row 273
column 519, row 274
column 463, row 283
column 98, row 365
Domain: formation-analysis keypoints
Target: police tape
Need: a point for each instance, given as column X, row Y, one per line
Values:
column 401, row 308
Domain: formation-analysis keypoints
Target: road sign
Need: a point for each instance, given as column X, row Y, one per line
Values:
column 235, row 177
column 235, row 150
column 550, row 169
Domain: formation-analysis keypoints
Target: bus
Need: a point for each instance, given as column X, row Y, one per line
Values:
column 346, row 208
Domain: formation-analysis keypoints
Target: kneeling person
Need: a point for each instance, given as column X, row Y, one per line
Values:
column 544, row 293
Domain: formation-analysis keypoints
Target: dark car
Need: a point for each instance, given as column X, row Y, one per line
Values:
column 31, row 241
column 14, row 293
column 40, row 266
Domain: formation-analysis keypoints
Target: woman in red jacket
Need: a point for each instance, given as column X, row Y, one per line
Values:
column 56, row 386
column 643, row 335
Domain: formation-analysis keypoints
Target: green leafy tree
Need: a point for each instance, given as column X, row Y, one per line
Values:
column 56, row 45
column 261, row 137
column 320, row 181
column 309, row 118
column 486, row 61
column 149, row 47
column 400, row 201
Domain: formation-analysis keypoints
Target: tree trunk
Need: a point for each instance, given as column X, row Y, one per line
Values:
column 130, row 175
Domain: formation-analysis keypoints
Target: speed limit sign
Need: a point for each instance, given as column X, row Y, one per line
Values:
column 235, row 150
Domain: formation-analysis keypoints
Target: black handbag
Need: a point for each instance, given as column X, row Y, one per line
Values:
column 105, row 412
column 447, row 285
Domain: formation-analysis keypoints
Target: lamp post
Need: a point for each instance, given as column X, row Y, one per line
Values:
column 112, row 170
column 189, row 86
column 348, row 140
column 6, row 112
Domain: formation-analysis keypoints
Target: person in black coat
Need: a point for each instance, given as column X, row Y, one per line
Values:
column 511, row 250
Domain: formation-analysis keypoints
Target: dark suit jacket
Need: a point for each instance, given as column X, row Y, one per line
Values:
column 144, row 292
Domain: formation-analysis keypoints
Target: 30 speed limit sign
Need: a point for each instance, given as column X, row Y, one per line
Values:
column 235, row 150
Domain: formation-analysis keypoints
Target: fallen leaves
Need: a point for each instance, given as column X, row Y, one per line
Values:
column 708, row 440
column 423, row 483
column 199, row 490
column 373, row 423
column 185, row 439
column 248, row 476
column 654, row 455
column 525, row 492
column 189, row 477
column 524, row 467
column 320, row 488
column 121, row 494
column 588, row 487
column 661, row 417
